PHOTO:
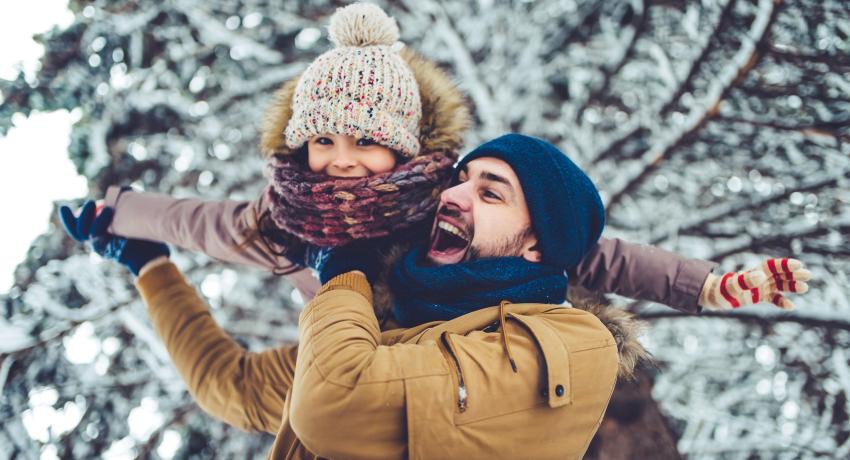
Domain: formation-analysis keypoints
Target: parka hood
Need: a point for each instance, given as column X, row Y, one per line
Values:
column 445, row 113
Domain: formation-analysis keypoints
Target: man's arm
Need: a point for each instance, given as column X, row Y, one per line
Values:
column 643, row 272
column 242, row 388
column 348, row 396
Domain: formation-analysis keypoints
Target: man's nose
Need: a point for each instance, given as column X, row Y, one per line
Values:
column 459, row 197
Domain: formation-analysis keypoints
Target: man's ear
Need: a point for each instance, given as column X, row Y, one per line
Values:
column 531, row 252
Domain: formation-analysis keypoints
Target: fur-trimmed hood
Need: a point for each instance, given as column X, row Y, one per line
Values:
column 445, row 113
column 623, row 325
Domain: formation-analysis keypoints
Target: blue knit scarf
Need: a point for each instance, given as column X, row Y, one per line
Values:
column 429, row 293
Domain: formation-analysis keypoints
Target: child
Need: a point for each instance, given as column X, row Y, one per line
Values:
column 359, row 146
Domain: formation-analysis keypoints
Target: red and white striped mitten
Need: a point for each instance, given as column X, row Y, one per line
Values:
column 766, row 283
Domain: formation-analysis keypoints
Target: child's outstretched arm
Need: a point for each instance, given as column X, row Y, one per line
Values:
column 216, row 228
column 650, row 273
column 643, row 272
column 219, row 229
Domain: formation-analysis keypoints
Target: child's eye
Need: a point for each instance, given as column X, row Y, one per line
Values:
column 324, row 141
column 365, row 142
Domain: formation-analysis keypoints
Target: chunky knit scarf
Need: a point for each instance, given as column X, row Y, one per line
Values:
column 429, row 293
column 332, row 211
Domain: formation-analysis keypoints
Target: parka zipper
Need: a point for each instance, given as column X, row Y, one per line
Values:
column 461, row 387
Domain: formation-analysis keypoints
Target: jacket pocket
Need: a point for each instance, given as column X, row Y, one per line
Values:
column 487, row 386
column 457, row 375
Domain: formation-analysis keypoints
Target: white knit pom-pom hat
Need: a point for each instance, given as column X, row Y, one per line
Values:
column 361, row 88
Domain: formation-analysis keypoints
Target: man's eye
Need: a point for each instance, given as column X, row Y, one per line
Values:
column 490, row 195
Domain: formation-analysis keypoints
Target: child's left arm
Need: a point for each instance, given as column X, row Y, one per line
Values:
column 650, row 273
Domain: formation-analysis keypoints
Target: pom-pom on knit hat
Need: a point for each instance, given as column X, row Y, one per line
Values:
column 361, row 88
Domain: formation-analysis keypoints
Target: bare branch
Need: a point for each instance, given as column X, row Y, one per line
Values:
column 746, row 58
column 637, row 26
column 760, row 319
column 707, row 216
column 686, row 83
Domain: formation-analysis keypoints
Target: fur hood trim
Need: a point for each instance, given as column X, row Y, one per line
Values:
column 625, row 328
column 445, row 113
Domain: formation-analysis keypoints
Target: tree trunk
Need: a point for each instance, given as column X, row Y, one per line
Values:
column 633, row 426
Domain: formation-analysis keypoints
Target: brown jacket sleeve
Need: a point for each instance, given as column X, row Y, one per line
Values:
column 643, row 272
column 242, row 388
column 348, row 396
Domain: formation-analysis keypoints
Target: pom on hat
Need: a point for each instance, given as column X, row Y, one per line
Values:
column 362, row 24
column 363, row 87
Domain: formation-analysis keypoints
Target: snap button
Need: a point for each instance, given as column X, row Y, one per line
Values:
column 559, row 390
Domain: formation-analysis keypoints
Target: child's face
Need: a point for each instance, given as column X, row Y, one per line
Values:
column 346, row 156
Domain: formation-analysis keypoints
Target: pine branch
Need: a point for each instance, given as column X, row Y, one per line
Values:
column 765, row 91
column 638, row 130
column 213, row 32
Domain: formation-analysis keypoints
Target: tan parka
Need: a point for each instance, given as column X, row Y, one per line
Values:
column 439, row 390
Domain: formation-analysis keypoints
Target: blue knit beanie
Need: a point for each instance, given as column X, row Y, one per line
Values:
column 566, row 211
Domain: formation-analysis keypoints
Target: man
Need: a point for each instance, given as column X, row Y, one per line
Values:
column 495, row 366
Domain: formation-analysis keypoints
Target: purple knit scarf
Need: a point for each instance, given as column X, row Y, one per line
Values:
column 332, row 211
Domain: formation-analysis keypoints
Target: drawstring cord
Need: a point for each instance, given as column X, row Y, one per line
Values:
column 505, row 339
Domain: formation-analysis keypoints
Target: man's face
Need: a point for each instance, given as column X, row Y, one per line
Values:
column 484, row 215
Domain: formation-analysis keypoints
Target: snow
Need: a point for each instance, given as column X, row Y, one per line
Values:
column 698, row 144
column 34, row 172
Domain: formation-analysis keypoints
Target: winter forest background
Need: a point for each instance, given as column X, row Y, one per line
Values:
column 719, row 129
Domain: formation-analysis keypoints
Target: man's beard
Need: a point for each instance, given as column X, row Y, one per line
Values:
column 508, row 247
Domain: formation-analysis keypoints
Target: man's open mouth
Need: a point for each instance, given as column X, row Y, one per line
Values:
column 448, row 243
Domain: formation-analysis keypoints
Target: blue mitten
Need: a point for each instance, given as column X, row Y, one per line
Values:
column 91, row 228
column 363, row 255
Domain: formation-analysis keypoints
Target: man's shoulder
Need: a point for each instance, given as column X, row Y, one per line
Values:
column 577, row 329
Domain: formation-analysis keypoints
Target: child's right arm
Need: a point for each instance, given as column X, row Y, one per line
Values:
column 217, row 228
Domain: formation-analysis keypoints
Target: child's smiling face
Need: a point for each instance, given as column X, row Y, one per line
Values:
column 346, row 156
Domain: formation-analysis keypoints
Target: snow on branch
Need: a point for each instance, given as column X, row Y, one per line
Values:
column 765, row 320
column 669, row 138
column 708, row 41
column 728, row 209
column 631, row 36
column 213, row 32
